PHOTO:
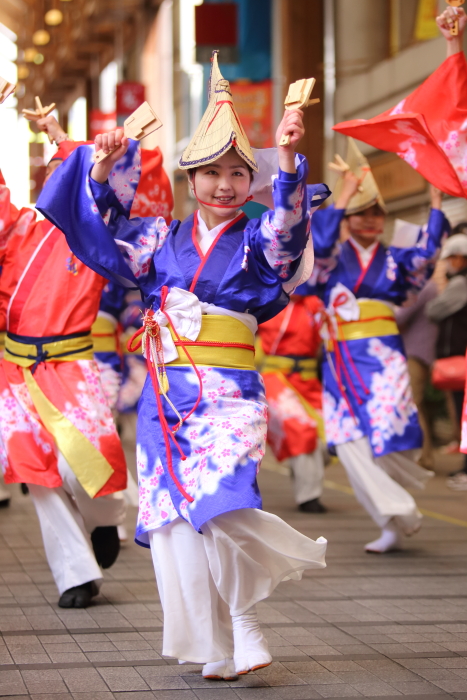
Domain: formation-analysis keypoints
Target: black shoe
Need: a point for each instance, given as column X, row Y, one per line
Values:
column 24, row 489
column 313, row 506
column 5, row 503
column 78, row 596
column 106, row 545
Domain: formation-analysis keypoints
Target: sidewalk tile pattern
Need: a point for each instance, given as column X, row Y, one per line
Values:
column 366, row 627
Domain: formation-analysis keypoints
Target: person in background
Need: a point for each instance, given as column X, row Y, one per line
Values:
column 56, row 430
column 13, row 221
column 369, row 412
column 291, row 341
column 419, row 336
column 449, row 311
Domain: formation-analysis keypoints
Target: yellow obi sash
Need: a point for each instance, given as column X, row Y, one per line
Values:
column 2, row 340
column 376, row 319
column 104, row 335
column 26, row 351
column 90, row 466
column 223, row 341
column 307, row 367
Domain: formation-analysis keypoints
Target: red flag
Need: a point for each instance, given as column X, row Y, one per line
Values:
column 428, row 129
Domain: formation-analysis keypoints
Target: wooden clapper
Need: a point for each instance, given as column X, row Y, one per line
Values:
column 341, row 167
column 6, row 89
column 455, row 27
column 141, row 123
column 298, row 97
column 39, row 113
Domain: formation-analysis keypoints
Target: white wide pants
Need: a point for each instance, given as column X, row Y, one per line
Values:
column 205, row 579
column 67, row 516
column 308, row 475
column 378, row 483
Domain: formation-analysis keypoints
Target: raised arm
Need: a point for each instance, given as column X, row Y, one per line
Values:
column 446, row 21
column 95, row 216
column 283, row 232
column 325, row 227
column 416, row 264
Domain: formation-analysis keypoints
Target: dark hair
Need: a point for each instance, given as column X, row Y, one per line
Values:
column 460, row 228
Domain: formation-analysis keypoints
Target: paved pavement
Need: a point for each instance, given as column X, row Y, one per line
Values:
column 367, row 626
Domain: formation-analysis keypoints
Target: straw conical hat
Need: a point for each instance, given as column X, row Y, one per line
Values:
column 368, row 193
column 219, row 129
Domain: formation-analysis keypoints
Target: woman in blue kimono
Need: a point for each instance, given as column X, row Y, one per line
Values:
column 206, row 282
column 370, row 415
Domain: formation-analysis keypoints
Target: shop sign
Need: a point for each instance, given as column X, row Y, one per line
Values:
column 216, row 27
column 101, row 122
column 253, row 102
column 130, row 95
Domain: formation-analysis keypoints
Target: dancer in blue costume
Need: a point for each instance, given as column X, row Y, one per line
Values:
column 207, row 282
column 370, row 415
column 105, row 339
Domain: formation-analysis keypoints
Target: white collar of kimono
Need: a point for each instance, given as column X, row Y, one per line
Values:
column 185, row 311
column 206, row 236
column 364, row 254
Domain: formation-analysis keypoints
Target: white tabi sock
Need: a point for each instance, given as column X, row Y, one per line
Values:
column 251, row 648
column 122, row 533
column 389, row 540
column 220, row 670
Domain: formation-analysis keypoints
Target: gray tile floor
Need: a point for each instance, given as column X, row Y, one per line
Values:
column 367, row 626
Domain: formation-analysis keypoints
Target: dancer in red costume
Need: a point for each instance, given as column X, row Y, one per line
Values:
column 291, row 342
column 56, row 429
column 12, row 220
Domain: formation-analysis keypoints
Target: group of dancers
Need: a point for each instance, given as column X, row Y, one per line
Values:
column 207, row 284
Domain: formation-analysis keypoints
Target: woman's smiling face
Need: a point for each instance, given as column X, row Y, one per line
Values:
column 224, row 182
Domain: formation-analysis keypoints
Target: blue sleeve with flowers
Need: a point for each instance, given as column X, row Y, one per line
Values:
column 416, row 264
column 284, row 231
column 95, row 217
column 325, row 232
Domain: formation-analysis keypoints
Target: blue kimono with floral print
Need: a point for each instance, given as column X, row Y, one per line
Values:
column 385, row 411
column 224, row 440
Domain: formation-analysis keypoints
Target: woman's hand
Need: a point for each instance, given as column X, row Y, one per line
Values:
column 349, row 189
column 52, row 128
column 446, row 21
column 292, row 126
column 114, row 143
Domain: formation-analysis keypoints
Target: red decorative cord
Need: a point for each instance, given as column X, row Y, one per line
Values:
column 151, row 329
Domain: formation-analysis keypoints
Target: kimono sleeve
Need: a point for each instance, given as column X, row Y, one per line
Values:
column 282, row 234
column 12, row 220
column 325, row 230
column 415, row 265
column 95, row 217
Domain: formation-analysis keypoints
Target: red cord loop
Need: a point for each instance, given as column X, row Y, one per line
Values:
column 154, row 353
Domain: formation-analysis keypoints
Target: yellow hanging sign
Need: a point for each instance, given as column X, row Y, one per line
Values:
column 425, row 24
